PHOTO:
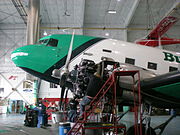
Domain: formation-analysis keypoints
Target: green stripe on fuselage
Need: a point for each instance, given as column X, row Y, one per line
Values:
column 64, row 43
column 172, row 90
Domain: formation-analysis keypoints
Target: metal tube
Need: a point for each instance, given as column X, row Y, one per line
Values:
column 33, row 21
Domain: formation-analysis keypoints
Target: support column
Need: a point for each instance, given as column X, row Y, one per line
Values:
column 33, row 21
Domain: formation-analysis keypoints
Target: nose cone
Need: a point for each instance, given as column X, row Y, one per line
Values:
column 29, row 57
column 19, row 56
column 36, row 58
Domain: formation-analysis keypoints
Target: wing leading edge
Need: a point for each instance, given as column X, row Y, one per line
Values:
column 163, row 91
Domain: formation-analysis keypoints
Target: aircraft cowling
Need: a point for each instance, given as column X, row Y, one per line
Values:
column 127, row 81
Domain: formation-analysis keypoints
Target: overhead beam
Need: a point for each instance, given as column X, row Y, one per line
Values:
column 131, row 13
column 97, row 28
column 21, row 10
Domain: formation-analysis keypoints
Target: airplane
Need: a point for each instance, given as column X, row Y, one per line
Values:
column 159, row 88
column 50, row 53
column 155, row 37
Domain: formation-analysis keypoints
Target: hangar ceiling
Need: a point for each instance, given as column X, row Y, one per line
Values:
column 82, row 14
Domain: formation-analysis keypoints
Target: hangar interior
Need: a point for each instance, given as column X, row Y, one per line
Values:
column 126, row 20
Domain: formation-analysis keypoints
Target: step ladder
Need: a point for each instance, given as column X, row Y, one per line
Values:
column 110, row 84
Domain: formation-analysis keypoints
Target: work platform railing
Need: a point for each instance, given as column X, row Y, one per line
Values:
column 111, row 86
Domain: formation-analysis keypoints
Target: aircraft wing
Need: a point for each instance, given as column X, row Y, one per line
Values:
column 163, row 91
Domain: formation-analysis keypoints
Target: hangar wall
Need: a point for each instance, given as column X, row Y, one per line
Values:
column 11, row 37
column 106, row 32
column 53, row 29
column 9, row 81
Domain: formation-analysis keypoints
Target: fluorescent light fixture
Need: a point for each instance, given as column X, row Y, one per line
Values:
column 107, row 34
column 112, row 11
column 118, row 0
column 45, row 33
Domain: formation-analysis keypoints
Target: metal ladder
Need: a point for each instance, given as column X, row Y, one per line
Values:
column 110, row 84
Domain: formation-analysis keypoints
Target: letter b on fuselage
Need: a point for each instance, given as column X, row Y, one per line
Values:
column 170, row 57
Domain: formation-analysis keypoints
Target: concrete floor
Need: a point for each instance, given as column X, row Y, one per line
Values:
column 13, row 125
column 173, row 128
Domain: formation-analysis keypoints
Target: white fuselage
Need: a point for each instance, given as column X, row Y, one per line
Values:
column 157, row 60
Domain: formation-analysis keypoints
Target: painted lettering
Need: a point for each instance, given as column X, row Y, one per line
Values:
column 177, row 58
column 170, row 57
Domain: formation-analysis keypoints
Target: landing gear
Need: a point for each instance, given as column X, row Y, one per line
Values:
column 146, row 119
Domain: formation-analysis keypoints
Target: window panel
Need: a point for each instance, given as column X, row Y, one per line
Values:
column 152, row 65
column 52, row 42
column 130, row 61
column 105, row 50
column 172, row 69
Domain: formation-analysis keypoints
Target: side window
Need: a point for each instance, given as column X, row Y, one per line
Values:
column 172, row 69
column 105, row 50
column 43, row 41
column 130, row 61
column 52, row 42
column 152, row 65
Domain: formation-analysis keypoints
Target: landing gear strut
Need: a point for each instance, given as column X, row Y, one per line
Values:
column 146, row 128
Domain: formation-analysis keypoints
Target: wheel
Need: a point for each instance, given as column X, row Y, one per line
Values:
column 150, row 130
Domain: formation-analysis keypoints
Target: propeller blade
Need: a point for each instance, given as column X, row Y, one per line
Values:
column 62, row 95
column 65, row 98
column 66, row 95
column 63, row 73
column 70, row 51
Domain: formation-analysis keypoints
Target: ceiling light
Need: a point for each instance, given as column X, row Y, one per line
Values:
column 107, row 34
column 45, row 33
column 118, row 0
column 112, row 11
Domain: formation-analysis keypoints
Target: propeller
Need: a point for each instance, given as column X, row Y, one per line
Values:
column 64, row 72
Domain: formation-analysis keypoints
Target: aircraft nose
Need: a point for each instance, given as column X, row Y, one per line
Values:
column 15, row 54
column 19, row 55
column 38, row 58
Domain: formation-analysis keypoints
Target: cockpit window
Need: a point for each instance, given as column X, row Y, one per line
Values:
column 43, row 41
column 52, row 42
